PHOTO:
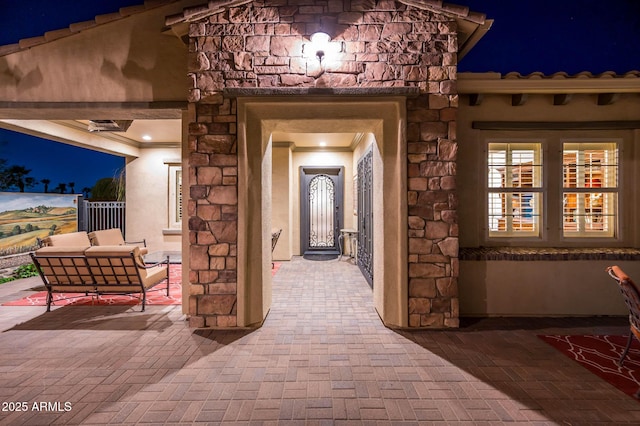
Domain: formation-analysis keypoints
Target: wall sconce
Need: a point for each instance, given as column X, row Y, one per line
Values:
column 321, row 47
column 320, row 43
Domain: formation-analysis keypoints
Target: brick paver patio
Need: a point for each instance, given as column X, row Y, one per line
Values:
column 321, row 357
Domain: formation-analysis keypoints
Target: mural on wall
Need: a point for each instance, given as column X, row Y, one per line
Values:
column 26, row 217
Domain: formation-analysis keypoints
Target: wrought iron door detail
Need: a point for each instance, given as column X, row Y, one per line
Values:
column 321, row 212
column 320, row 209
column 365, row 215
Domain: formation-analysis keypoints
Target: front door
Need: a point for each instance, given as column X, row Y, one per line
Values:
column 321, row 209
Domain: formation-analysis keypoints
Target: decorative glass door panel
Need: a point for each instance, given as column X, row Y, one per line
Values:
column 320, row 210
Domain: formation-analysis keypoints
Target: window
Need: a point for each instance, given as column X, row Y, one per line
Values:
column 175, row 196
column 589, row 189
column 514, row 189
column 575, row 196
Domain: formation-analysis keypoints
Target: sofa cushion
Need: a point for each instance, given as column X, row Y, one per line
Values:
column 111, row 237
column 61, row 251
column 69, row 239
column 154, row 275
column 111, row 250
column 106, row 237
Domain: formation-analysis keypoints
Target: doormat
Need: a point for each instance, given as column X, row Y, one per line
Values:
column 600, row 355
column 320, row 257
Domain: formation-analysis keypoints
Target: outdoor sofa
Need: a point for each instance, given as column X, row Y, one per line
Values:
column 98, row 270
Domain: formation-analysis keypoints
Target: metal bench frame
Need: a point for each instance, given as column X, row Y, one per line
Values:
column 112, row 276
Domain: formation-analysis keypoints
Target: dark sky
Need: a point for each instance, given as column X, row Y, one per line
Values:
column 527, row 36
column 556, row 35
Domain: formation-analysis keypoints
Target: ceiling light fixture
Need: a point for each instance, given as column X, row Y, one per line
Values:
column 146, row 137
column 322, row 143
column 109, row 125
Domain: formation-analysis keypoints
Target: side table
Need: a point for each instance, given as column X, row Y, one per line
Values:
column 351, row 234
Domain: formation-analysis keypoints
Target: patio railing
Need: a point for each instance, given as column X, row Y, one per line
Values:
column 98, row 215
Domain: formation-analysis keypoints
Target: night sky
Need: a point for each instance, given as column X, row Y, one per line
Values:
column 527, row 36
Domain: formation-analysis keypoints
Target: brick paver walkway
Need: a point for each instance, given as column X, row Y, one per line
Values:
column 321, row 357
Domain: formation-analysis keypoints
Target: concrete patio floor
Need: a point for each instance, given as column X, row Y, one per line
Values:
column 321, row 357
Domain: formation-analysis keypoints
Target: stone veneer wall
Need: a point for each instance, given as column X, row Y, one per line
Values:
column 386, row 44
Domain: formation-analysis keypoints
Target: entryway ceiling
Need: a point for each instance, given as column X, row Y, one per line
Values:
column 315, row 140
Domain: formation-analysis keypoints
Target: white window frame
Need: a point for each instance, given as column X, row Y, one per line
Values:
column 175, row 196
column 609, row 190
column 552, row 215
column 538, row 219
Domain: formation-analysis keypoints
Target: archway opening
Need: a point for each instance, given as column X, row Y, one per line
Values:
column 259, row 119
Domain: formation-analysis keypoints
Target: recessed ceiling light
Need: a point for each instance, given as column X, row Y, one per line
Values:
column 146, row 137
column 323, row 143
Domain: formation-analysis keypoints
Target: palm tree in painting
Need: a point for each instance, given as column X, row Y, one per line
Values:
column 61, row 188
column 46, row 183
column 72, row 186
column 16, row 176
column 29, row 182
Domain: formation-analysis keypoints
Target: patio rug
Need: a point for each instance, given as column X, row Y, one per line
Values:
column 157, row 296
column 600, row 354
column 154, row 297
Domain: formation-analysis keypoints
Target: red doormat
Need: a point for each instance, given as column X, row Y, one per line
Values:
column 157, row 296
column 600, row 355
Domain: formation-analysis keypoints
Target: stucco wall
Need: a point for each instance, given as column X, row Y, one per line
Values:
column 147, row 195
column 542, row 287
column 126, row 60
column 282, row 205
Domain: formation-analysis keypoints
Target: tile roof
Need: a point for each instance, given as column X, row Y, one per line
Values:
column 454, row 10
column 204, row 10
column 556, row 83
column 201, row 11
column 81, row 26
column 561, row 75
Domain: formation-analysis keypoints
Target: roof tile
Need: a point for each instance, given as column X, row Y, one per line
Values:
column 9, row 48
column 81, row 26
column 455, row 9
column 131, row 10
column 476, row 17
column 109, row 17
column 56, row 34
column 26, row 43
column 561, row 74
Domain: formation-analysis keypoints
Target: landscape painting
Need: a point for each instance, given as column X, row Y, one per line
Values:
column 27, row 217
